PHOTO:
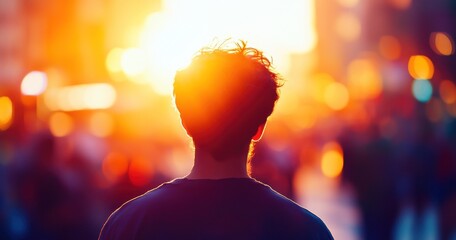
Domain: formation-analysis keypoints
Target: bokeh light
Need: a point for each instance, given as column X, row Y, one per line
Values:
column 332, row 160
column 305, row 118
column 389, row 47
column 434, row 110
column 336, row 96
column 319, row 84
column 61, row 124
column 140, row 171
column 447, row 91
column 364, row 80
column 114, row 60
column 421, row 67
column 400, row 4
column 395, row 77
column 101, row 124
column 133, row 62
column 34, row 83
column 6, row 112
column 422, row 90
column 348, row 27
column 99, row 96
column 81, row 97
column 114, row 166
column 451, row 109
column 442, row 43
column 348, row 3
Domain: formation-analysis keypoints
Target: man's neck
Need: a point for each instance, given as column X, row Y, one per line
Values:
column 207, row 167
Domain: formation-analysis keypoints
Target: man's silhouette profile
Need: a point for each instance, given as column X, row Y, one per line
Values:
column 224, row 98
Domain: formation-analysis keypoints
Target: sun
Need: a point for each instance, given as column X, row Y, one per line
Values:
column 171, row 37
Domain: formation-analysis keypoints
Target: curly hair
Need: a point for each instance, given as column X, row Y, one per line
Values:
column 224, row 95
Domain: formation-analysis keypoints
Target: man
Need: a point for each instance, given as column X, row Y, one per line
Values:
column 224, row 99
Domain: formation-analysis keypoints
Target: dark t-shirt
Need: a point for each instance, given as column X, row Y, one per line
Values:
column 233, row 208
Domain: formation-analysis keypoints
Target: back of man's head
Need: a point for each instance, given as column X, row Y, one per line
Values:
column 224, row 95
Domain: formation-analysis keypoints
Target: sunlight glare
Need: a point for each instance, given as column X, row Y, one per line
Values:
column 133, row 62
column 171, row 37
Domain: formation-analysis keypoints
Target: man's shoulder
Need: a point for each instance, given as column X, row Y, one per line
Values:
column 128, row 217
column 147, row 201
column 186, row 202
column 292, row 217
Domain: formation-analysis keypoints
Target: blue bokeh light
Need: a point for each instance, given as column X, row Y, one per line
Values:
column 422, row 90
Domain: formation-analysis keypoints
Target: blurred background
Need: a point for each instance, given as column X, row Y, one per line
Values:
column 364, row 134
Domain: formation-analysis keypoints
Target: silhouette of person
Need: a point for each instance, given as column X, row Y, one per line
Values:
column 224, row 98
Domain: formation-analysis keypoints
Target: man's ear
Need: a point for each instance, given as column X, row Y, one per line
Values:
column 259, row 133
